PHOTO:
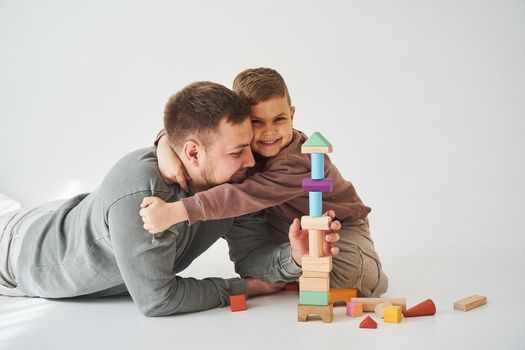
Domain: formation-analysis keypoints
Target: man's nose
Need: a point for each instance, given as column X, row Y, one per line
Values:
column 248, row 161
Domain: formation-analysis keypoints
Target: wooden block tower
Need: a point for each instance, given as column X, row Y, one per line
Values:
column 314, row 284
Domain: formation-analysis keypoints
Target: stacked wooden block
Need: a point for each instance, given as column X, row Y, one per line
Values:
column 314, row 284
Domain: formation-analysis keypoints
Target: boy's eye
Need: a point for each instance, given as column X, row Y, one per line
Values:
column 280, row 119
column 256, row 122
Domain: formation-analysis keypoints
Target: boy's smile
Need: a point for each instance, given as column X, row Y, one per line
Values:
column 272, row 126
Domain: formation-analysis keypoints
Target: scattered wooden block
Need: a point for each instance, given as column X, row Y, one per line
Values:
column 393, row 314
column 323, row 264
column 291, row 287
column 314, row 284
column 238, row 302
column 342, row 294
column 313, row 185
column 354, row 309
column 315, row 243
column 368, row 322
column 326, row 312
column 319, row 223
column 425, row 308
column 369, row 304
column 470, row 303
column 313, row 298
column 380, row 309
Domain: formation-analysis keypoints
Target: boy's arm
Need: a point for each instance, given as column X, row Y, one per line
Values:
column 170, row 166
column 148, row 270
column 260, row 191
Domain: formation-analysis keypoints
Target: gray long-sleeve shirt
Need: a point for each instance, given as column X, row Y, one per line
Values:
column 95, row 244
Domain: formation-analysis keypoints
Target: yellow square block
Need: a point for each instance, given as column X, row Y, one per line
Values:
column 393, row 314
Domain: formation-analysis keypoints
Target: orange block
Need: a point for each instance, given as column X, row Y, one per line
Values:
column 238, row 302
column 342, row 294
column 425, row 308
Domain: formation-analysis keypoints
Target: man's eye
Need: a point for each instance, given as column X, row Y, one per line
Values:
column 236, row 155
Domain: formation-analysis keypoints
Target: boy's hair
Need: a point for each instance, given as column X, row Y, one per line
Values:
column 260, row 84
column 198, row 109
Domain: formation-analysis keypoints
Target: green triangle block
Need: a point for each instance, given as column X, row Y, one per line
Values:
column 317, row 140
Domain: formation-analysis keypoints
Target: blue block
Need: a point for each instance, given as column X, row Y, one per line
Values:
column 317, row 166
column 316, row 204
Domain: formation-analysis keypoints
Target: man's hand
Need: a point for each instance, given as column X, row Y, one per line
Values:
column 158, row 215
column 258, row 287
column 171, row 168
column 299, row 239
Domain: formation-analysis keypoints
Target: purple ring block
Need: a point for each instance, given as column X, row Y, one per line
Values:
column 312, row 185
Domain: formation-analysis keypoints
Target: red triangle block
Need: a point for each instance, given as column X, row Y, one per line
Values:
column 368, row 322
column 425, row 308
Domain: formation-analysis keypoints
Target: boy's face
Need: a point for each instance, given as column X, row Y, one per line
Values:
column 272, row 126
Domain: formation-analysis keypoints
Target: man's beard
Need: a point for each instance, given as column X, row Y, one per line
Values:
column 209, row 180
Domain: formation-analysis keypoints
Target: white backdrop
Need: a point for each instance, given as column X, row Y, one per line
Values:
column 424, row 101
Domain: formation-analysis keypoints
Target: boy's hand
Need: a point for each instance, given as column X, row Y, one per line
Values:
column 158, row 215
column 171, row 168
column 299, row 238
column 258, row 287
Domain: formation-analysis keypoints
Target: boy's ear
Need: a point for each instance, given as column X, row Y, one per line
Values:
column 292, row 112
column 190, row 151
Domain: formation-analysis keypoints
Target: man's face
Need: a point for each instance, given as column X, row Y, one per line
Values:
column 228, row 156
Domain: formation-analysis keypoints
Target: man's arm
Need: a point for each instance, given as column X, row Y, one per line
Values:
column 148, row 269
column 255, row 255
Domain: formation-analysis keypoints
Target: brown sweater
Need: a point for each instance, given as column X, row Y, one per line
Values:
column 277, row 187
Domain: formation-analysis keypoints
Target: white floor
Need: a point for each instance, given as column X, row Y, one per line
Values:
column 270, row 321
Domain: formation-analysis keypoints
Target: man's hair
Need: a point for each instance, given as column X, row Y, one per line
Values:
column 198, row 109
column 260, row 84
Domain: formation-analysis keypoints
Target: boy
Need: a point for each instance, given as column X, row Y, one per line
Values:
column 276, row 186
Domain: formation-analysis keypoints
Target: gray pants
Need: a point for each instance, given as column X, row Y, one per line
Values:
column 13, row 226
column 357, row 265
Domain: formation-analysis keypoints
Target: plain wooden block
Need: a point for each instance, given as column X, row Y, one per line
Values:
column 314, row 284
column 320, row 149
column 323, row 264
column 342, row 294
column 313, row 298
column 320, row 223
column 470, row 303
column 369, row 304
column 380, row 309
column 316, row 274
column 326, row 312
column 238, row 302
column 315, row 243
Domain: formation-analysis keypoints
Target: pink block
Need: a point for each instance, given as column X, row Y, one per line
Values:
column 354, row 309
column 312, row 185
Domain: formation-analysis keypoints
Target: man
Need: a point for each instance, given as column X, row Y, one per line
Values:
column 95, row 244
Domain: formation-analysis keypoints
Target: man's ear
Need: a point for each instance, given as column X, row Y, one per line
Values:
column 292, row 112
column 191, row 152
